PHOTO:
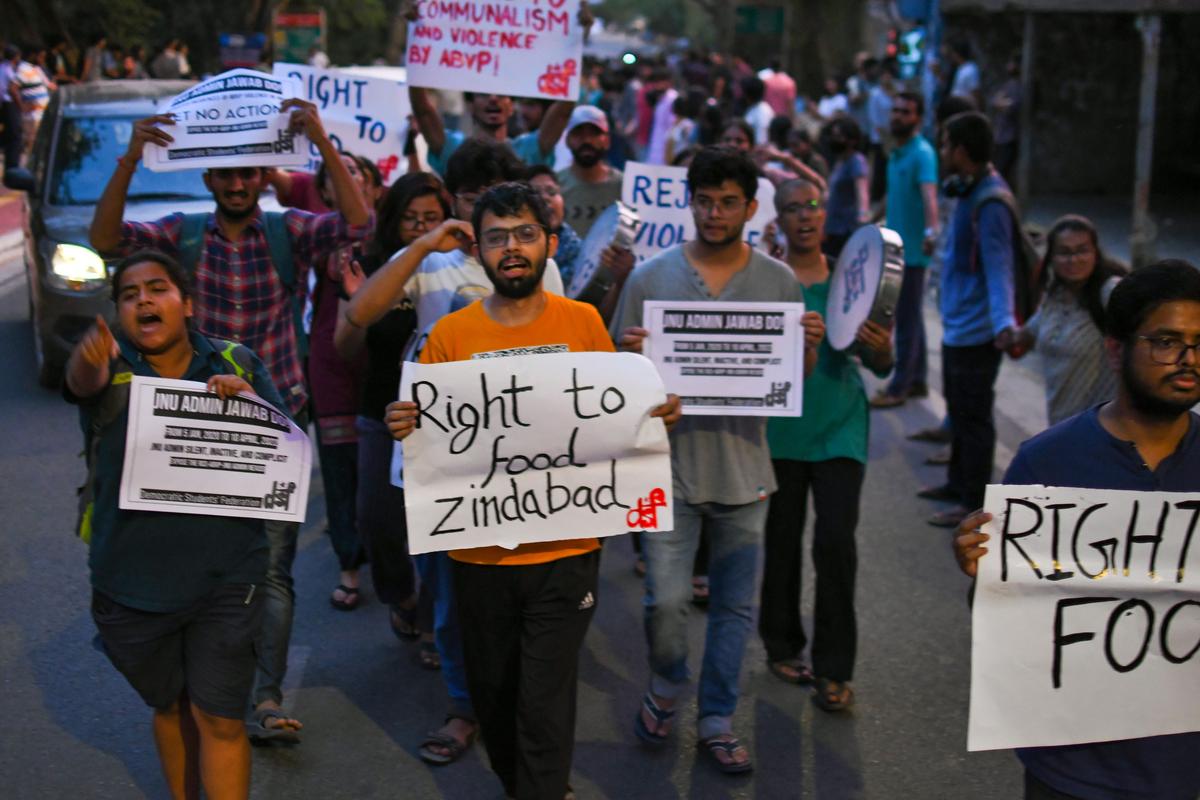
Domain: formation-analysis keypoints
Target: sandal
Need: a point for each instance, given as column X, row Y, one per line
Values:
column 662, row 716
column 791, row 670
column 404, row 623
column 833, row 695
column 429, row 656
column 715, row 745
column 260, row 732
column 454, row 747
column 700, row 591
column 349, row 603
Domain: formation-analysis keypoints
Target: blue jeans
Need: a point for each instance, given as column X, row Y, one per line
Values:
column 437, row 577
column 736, row 535
column 912, row 365
column 279, row 598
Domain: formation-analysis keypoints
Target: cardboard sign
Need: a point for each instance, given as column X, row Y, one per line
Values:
column 661, row 198
column 232, row 120
column 364, row 116
column 189, row 452
column 743, row 359
column 1087, row 617
column 535, row 446
column 524, row 48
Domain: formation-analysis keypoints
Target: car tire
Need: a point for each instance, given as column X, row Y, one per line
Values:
column 49, row 370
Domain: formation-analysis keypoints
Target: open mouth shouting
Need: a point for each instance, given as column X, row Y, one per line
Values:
column 514, row 268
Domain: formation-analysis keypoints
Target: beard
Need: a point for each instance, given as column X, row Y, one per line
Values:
column 586, row 155
column 1143, row 397
column 724, row 241
column 517, row 288
column 903, row 131
column 236, row 213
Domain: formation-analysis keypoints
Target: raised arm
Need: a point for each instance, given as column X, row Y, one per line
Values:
column 105, row 233
column 428, row 119
column 346, row 191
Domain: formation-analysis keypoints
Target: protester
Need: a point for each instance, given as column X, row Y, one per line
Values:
column 683, row 130
column 800, row 145
column 589, row 185
column 912, row 211
column 524, row 611
column 758, row 111
column 1146, row 439
column 570, row 246
column 35, row 88
column 879, row 111
column 977, row 312
column 1005, row 105
column 1068, row 327
column 660, row 96
column 833, row 102
column 779, row 90
column 10, row 106
column 721, row 465
column 439, row 274
column 241, row 296
column 966, row 72
column 134, row 66
column 93, row 59
column 166, row 65
column 824, row 451
column 177, row 621
column 848, row 204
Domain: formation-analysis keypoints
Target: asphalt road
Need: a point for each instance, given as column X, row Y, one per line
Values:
column 72, row 727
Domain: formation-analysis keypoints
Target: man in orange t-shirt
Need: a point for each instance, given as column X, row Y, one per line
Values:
column 523, row 612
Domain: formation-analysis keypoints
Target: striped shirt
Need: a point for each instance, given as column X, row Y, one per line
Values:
column 237, row 292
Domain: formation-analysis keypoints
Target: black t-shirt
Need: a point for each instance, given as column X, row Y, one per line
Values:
column 385, row 347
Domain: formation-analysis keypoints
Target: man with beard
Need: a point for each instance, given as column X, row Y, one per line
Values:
column 589, row 185
column 1148, row 440
column 525, row 611
column 913, row 213
column 721, row 465
column 242, row 295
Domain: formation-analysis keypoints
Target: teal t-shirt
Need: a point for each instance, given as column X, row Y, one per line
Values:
column 525, row 146
column 835, row 423
column 908, row 167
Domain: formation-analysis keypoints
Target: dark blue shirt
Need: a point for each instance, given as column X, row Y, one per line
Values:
column 162, row 562
column 1079, row 452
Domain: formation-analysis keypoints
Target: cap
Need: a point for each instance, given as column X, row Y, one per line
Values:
column 587, row 115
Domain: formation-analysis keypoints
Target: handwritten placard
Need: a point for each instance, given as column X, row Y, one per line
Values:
column 1086, row 617
column 524, row 48
column 187, row 451
column 661, row 198
column 533, row 448
column 365, row 116
column 231, row 120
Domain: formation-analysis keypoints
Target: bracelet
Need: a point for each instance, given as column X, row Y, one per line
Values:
column 350, row 322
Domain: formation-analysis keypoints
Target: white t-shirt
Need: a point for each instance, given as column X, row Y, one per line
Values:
column 966, row 80
column 760, row 118
column 830, row 105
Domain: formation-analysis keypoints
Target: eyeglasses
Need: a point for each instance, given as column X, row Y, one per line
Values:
column 1067, row 255
column 726, row 205
column 228, row 173
column 1169, row 351
column 415, row 221
column 795, row 209
column 495, row 238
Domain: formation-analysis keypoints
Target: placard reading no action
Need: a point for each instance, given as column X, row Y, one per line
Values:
column 189, row 452
column 744, row 359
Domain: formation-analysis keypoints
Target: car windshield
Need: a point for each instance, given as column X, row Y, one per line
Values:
column 86, row 156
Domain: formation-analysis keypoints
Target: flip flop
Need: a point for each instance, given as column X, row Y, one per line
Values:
column 833, row 695
column 714, row 745
column 404, row 623
column 454, row 747
column 429, row 656
column 259, row 732
column 661, row 716
column 351, row 601
column 780, row 669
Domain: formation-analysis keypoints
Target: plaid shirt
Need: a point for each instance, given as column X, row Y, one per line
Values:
column 238, row 294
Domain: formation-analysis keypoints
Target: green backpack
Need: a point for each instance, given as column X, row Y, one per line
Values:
column 113, row 401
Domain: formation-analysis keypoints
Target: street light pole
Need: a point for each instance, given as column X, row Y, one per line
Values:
column 1142, row 242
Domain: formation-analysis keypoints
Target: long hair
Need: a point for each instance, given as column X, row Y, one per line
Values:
column 400, row 195
column 1090, row 295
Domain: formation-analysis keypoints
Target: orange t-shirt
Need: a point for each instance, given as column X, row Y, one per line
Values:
column 564, row 325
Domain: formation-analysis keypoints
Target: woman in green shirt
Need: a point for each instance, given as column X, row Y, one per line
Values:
column 823, row 452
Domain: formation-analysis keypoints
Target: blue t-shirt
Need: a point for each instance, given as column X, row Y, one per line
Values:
column 162, row 562
column 908, row 168
column 1079, row 452
column 841, row 206
column 567, row 254
column 977, row 270
column 525, row 146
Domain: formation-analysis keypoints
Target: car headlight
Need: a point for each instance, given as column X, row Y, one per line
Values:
column 78, row 266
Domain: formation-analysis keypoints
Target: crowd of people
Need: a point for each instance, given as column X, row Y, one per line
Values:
column 471, row 257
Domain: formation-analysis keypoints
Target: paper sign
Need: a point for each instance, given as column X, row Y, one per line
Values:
column 364, row 116
column 1086, row 618
column 189, row 452
column 524, row 48
column 661, row 198
column 232, row 120
column 743, row 359
column 534, row 448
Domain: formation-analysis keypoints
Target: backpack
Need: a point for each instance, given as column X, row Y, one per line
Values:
column 114, row 400
column 1027, row 260
column 279, row 243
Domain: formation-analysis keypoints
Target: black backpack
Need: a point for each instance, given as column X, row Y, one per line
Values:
column 1027, row 260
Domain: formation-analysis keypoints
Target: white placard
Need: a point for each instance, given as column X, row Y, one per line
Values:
column 524, row 48
column 232, row 120
column 661, row 198
column 744, row 359
column 1086, row 620
column 364, row 116
column 534, row 448
column 189, row 452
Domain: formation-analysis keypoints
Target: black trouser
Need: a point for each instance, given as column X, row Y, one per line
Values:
column 522, row 628
column 911, row 354
column 969, row 383
column 836, row 485
column 1037, row 790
